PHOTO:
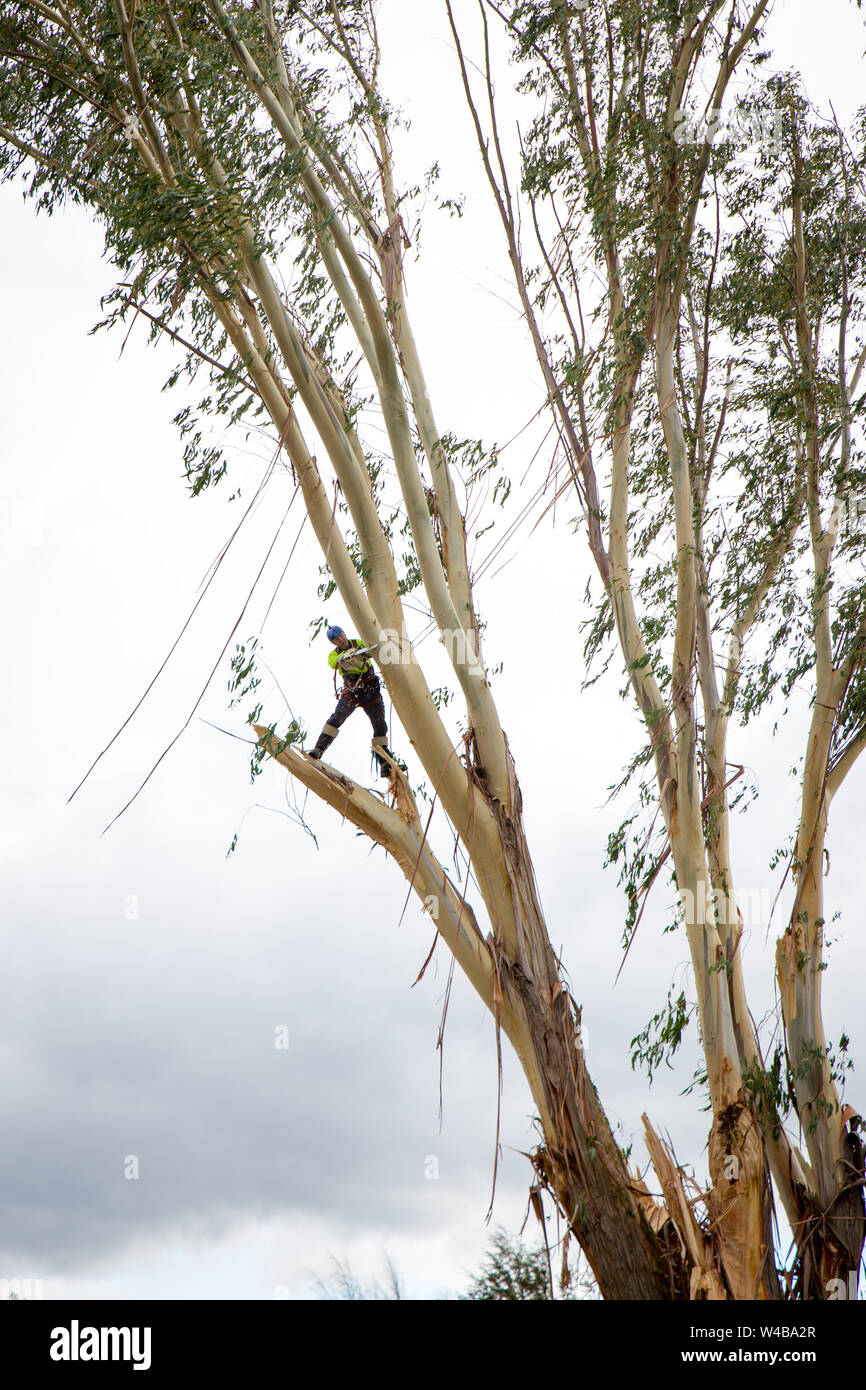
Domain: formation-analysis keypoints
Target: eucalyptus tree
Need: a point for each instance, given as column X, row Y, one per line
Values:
column 220, row 144
column 695, row 294
column 216, row 143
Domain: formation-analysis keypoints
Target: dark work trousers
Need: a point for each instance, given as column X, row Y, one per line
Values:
column 366, row 695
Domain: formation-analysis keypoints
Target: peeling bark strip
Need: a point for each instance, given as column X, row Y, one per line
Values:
column 705, row 1281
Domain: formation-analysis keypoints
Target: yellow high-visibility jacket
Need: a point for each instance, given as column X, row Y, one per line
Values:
column 353, row 671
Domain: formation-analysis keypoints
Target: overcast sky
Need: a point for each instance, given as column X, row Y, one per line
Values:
column 145, row 972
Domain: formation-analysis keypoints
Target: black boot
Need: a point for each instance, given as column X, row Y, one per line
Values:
column 378, row 749
column 325, row 739
column 385, row 767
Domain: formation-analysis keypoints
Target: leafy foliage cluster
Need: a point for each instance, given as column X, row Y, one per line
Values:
column 775, row 450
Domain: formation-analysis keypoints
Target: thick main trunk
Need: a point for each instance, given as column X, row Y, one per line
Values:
column 741, row 1203
column 579, row 1160
column 582, row 1165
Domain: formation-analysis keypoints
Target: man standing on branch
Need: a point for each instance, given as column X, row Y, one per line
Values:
column 361, row 690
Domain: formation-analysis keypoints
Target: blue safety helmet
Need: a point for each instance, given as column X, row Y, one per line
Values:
column 334, row 633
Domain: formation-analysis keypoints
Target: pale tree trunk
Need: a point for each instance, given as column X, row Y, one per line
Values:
column 830, row 1233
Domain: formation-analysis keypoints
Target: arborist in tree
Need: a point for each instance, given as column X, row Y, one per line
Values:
column 361, row 690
